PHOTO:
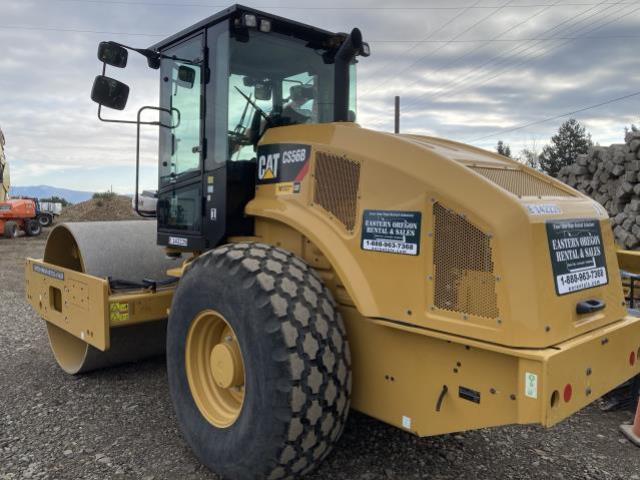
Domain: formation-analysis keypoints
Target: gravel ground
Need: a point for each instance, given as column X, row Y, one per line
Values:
column 119, row 423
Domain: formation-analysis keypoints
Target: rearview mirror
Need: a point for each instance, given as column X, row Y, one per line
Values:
column 186, row 75
column 110, row 92
column 262, row 91
column 113, row 54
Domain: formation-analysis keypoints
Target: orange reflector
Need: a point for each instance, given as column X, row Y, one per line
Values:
column 632, row 358
column 568, row 391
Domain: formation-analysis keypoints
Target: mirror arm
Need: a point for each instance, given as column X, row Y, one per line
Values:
column 145, row 52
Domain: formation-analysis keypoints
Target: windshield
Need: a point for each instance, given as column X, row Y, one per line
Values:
column 289, row 81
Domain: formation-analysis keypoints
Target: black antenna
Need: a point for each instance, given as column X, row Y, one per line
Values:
column 396, row 127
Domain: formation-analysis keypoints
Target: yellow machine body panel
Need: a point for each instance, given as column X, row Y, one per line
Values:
column 400, row 370
column 478, row 263
column 433, row 385
column 73, row 301
column 84, row 306
column 629, row 260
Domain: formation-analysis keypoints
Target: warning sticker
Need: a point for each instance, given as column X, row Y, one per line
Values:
column 531, row 385
column 577, row 254
column 406, row 422
column 287, row 188
column 119, row 311
column 391, row 232
column 546, row 209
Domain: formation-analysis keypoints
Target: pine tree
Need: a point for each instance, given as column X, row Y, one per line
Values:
column 571, row 140
column 503, row 149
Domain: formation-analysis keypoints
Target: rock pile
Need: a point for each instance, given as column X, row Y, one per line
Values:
column 611, row 176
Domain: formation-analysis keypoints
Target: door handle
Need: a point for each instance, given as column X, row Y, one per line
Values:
column 589, row 306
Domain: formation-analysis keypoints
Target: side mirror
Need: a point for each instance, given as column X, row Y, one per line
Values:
column 110, row 92
column 262, row 91
column 113, row 54
column 186, row 75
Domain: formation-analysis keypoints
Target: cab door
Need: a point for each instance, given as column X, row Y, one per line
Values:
column 180, row 196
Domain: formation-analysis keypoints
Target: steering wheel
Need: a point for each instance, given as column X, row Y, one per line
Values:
column 237, row 139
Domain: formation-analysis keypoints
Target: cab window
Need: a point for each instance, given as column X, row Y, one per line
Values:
column 283, row 77
column 182, row 90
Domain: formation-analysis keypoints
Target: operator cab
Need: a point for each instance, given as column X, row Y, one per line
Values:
column 223, row 83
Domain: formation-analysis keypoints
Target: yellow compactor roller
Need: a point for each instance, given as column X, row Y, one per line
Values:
column 308, row 265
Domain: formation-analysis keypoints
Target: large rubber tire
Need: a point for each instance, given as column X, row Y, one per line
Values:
column 10, row 229
column 33, row 228
column 296, row 360
column 45, row 219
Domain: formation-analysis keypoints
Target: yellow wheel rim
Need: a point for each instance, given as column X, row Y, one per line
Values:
column 215, row 369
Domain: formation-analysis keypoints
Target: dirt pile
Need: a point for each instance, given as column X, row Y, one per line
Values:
column 102, row 208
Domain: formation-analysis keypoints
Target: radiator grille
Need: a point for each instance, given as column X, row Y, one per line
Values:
column 521, row 183
column 336, row 187
column 464, row 281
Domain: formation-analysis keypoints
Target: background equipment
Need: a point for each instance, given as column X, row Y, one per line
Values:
column 4, row 171
column 18, row 215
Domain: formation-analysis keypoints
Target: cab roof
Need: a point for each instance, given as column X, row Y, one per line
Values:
column 278, row 24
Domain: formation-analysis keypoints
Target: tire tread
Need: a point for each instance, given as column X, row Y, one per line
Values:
column 311, row 334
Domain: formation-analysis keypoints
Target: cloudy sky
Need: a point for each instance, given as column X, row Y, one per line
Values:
column 470, row 70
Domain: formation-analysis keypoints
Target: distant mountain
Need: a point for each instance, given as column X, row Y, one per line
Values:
column 46, row 191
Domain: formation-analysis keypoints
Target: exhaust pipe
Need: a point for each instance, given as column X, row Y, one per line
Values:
column 350, row 48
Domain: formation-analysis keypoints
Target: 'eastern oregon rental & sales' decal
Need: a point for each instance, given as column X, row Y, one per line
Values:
column 577, row 254
column 391, row 232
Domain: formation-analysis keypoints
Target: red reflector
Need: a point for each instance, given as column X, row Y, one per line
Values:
column 568, row 391
column 632, row 358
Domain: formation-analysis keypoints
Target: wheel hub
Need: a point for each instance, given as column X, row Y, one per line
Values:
column 215, row 369
column 226, row 364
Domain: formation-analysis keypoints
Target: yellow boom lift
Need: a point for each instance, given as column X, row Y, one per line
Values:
column 309, row 266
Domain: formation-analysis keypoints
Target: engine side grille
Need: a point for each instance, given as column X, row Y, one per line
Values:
column 463, row 266
column 337, row 180
column 521, row 183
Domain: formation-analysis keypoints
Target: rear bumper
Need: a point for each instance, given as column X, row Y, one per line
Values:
column 579, row 371
column 400, row 373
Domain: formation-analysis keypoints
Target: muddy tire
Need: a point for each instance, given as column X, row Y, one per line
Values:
column 10, row 230
column 297, row 375
column 33, row 228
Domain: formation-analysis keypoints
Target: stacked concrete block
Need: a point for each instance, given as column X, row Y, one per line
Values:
column 611, row 176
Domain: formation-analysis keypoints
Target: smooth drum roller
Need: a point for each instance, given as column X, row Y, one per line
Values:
column 119, row 250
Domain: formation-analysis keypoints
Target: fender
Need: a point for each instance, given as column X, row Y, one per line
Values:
column 481, row 218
